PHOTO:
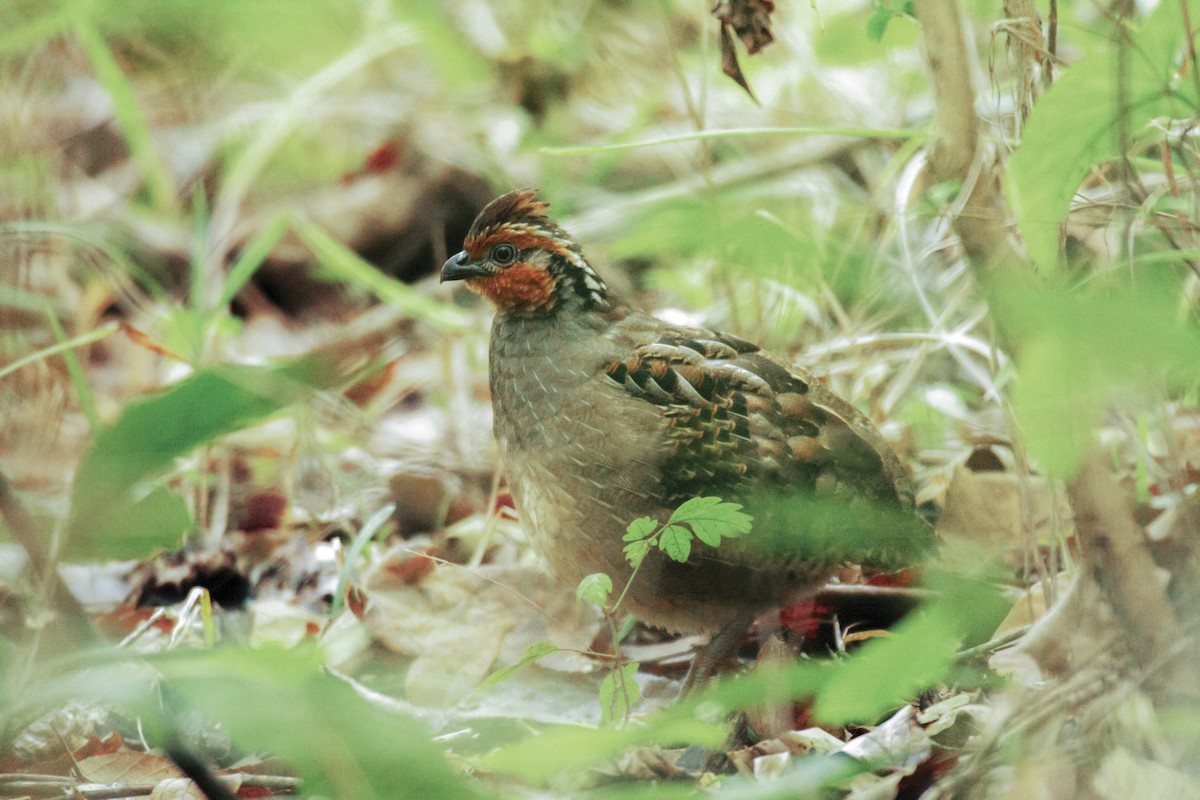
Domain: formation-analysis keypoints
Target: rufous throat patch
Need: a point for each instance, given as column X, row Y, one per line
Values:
column 521, row 286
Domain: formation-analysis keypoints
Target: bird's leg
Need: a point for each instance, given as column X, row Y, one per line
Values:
column 710, row 657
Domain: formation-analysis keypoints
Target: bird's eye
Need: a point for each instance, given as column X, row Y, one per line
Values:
column 504, row 254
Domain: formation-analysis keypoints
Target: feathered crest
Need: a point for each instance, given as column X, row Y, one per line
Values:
column 520, row 219
column 520, row 206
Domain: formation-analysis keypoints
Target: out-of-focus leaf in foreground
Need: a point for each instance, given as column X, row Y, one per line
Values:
column 859, row 688
column 1074, row 126
column 889, row 671
column 280, row 701
column 114, row 512
column 1077, row 352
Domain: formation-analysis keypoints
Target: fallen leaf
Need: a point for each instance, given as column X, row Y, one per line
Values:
column 729, row 62
column 128, row 768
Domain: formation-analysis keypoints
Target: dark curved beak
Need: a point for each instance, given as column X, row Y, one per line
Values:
column 459, row 267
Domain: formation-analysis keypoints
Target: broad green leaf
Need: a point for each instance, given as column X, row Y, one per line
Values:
column 640, row 528
column 157, row 519
column 699, row 719
column 274, row 700
column 532, row 653
column 855, row 38
column 965, row 611
column 594, row 588
column 146, row 439
column 887, row 672
column 619, row 693
column 342, row 745
column 1073, row 127
column 676, row 542
column 569, row 747
column 1079, row 351
column 830, row 530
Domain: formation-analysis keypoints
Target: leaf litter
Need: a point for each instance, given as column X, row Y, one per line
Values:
column 429, row 617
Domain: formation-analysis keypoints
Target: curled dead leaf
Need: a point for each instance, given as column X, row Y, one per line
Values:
column 750, row 20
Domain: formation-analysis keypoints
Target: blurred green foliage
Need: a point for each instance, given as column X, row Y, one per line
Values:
column 340, row 744
column 817, row 229
column 1082, row 349
column 1077, row 125
column 116, row 511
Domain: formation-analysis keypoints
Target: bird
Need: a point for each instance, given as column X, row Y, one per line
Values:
column 604, row 414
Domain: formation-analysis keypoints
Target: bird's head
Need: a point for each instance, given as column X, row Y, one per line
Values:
column 517, row 257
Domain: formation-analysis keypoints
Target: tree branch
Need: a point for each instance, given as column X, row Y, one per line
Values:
column 954, row 153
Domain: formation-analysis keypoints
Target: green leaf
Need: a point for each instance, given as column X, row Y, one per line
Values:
column 1073, row 127
column 878, row 23
column 693, row 506
column 275, row 699
column 532, row 653
column 888, row 672
column 341, row 744
column 855, row 38
column 640, row 528
column 676, row 542
column 619, row 693
column 1080, row 350
column 109, row 487
column 570, row 747
column 712, row 520
column 157, row 519
column 249, row 260
column 635, row 552
column 594, row 588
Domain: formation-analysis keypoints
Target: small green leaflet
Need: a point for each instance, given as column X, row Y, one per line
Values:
column 639, row 535
column 619, row 693
column 676, row 541
column 640, row 528
column 709, row 519
column 635, row 552
column 532, row 653
column 594, row 588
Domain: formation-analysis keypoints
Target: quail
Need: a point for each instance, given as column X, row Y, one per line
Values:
column 604, row 414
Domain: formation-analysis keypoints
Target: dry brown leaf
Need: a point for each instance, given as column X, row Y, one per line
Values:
column 750, row 20
column 454, row 661
column 281, row 622
column 729, row 62
column 985, row 509
column 1075, row 630
column 128, row 768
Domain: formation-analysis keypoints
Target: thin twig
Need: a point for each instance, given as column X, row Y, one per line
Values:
column 989, row 647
